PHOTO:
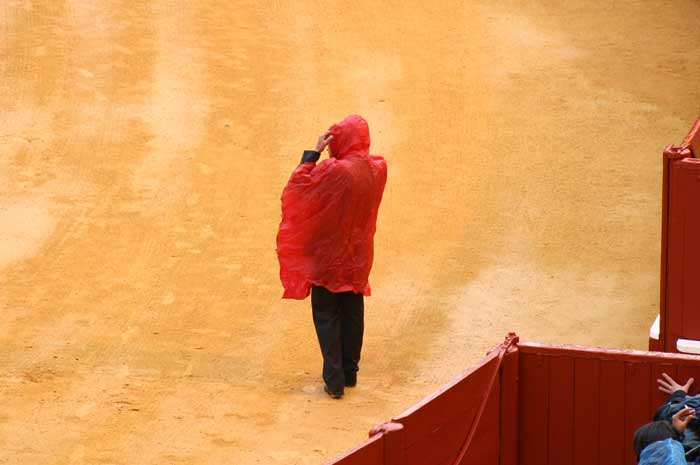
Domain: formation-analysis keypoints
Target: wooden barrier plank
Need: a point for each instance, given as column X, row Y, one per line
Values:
column 637, row 403
column 586, row 414
column 561, row 410
column 455, row 422
column 682, row 297
column 534, row 404
column 686, row 372
column 484, row 447
column 685, row 292
column 611, row 413
column 509, row 416
column 672, row 240
column 668, row 158
column 459, row 400
column 620, row 355
column 674, row 259
column 442, row 444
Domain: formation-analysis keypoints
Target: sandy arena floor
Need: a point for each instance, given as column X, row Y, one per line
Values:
column 143, row 150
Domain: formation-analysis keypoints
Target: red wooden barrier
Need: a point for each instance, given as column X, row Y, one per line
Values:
column 682, row 307
column 471, row 420
column 531, row 404
column 582, row 406
column 454, row 420
column 679, row 312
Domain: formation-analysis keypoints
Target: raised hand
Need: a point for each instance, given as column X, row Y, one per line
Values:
column 669, row 385
column 323, row 140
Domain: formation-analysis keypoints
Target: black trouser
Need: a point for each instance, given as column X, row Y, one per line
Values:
column 339, row 321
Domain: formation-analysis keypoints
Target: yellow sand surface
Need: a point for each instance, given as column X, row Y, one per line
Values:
column 143, row 149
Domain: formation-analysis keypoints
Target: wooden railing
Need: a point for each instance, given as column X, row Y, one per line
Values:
column 528, row 404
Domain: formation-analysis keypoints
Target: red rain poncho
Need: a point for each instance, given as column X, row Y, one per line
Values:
column 329, row 215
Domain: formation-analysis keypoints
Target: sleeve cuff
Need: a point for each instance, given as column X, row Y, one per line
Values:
column 680, row 436
column 310, row 156
column 677, row 396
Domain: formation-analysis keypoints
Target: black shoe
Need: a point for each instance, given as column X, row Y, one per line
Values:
column 351, row 380
column 334, row 394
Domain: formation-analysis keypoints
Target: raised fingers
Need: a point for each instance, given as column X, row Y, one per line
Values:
column 685, row 415
column 668, row 379
column 664, row 385
column 687, row 385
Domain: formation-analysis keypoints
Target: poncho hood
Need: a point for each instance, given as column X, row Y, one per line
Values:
column 350, row 137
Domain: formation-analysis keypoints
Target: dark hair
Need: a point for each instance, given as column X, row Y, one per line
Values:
column 652, row 432
column 659, row 414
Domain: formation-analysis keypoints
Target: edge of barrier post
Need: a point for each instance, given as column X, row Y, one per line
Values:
column 394, row 442
column 671, row 153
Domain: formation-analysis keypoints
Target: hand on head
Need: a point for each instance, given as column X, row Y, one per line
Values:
column 323, row 140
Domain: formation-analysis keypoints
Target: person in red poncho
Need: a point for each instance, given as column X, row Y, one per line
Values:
column 325, row 242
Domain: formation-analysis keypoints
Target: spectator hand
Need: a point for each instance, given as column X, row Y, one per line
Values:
column 323, row 140
column 681, row 419
column 669, row 385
